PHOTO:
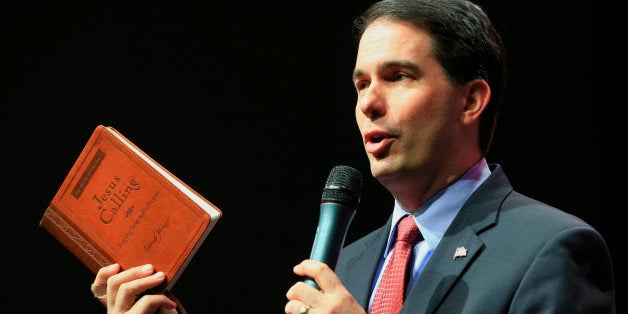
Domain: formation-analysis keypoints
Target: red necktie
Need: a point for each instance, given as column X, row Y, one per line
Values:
column 391, row 290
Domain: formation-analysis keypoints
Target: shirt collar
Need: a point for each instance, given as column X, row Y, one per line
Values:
column 434, row 217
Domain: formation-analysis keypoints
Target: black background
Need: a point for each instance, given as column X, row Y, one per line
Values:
column 251, row 104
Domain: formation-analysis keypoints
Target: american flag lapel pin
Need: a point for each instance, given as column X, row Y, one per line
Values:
column 461, row 251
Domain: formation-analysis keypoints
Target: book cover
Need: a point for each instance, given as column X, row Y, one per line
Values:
column 118, row 205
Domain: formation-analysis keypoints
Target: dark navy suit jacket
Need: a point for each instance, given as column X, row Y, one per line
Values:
column 523, row 256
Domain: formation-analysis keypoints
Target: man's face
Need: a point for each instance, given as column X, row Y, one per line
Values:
column 407, row 110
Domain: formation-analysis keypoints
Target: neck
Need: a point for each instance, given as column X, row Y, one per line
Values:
column 413, row 188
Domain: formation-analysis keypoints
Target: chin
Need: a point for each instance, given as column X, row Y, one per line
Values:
column 381, row 169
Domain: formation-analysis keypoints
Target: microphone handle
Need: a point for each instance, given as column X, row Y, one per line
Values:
column 333, row 225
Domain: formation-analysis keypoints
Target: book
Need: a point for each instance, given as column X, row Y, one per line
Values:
column 119, row 205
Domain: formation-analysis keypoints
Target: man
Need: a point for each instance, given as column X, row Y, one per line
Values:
column 429, row 75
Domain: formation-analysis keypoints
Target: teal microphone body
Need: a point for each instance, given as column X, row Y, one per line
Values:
column 339, row 201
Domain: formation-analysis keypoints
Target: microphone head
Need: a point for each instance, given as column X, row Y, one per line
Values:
column 343, row 186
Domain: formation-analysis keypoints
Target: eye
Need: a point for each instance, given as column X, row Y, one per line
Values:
column 360, row 85
column 400, row 76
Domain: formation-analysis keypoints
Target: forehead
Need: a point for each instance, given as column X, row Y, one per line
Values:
column 393, row 40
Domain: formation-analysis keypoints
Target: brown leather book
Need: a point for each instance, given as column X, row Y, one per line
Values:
column 118, row 205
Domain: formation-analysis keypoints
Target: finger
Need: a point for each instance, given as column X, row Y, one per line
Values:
column 128, row 292
column 310, row 268
column 115, row 281
column 99, row 286
column 167, row 311
column 305, row 294
column 295, row 306
column 302, row 292
column 156, row 303
column 132, row 273
column 320, row 272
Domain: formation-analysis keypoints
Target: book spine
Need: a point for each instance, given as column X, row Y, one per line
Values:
column 71, row 238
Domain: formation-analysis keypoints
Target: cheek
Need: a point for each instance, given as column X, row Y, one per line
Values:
column 414, row 111
column 359, row 118
column 423, row 121
column 424, row 106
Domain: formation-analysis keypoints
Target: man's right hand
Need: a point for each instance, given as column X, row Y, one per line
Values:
column 119, row 291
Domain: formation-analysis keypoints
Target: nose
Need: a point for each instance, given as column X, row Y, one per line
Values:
column 371, row 101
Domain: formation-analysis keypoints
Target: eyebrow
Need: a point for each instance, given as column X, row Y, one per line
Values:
column 389, row 64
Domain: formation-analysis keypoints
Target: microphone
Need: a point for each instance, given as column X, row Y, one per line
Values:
column 339, row 201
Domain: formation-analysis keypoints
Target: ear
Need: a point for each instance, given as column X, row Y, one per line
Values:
column 478, row 93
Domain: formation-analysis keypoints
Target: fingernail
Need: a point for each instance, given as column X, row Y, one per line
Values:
column 112, row 266
column 147, row 268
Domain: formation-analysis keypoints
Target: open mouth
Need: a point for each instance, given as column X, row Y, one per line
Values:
column 376, row 139
column 377, row 142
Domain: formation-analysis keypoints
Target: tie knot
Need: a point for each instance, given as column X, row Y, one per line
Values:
column 407, row 230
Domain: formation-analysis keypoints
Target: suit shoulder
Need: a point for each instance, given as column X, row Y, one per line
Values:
column 537, row 220
column 525, row 207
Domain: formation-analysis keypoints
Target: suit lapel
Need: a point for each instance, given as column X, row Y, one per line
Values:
column 443, row 270
column 364, row 264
